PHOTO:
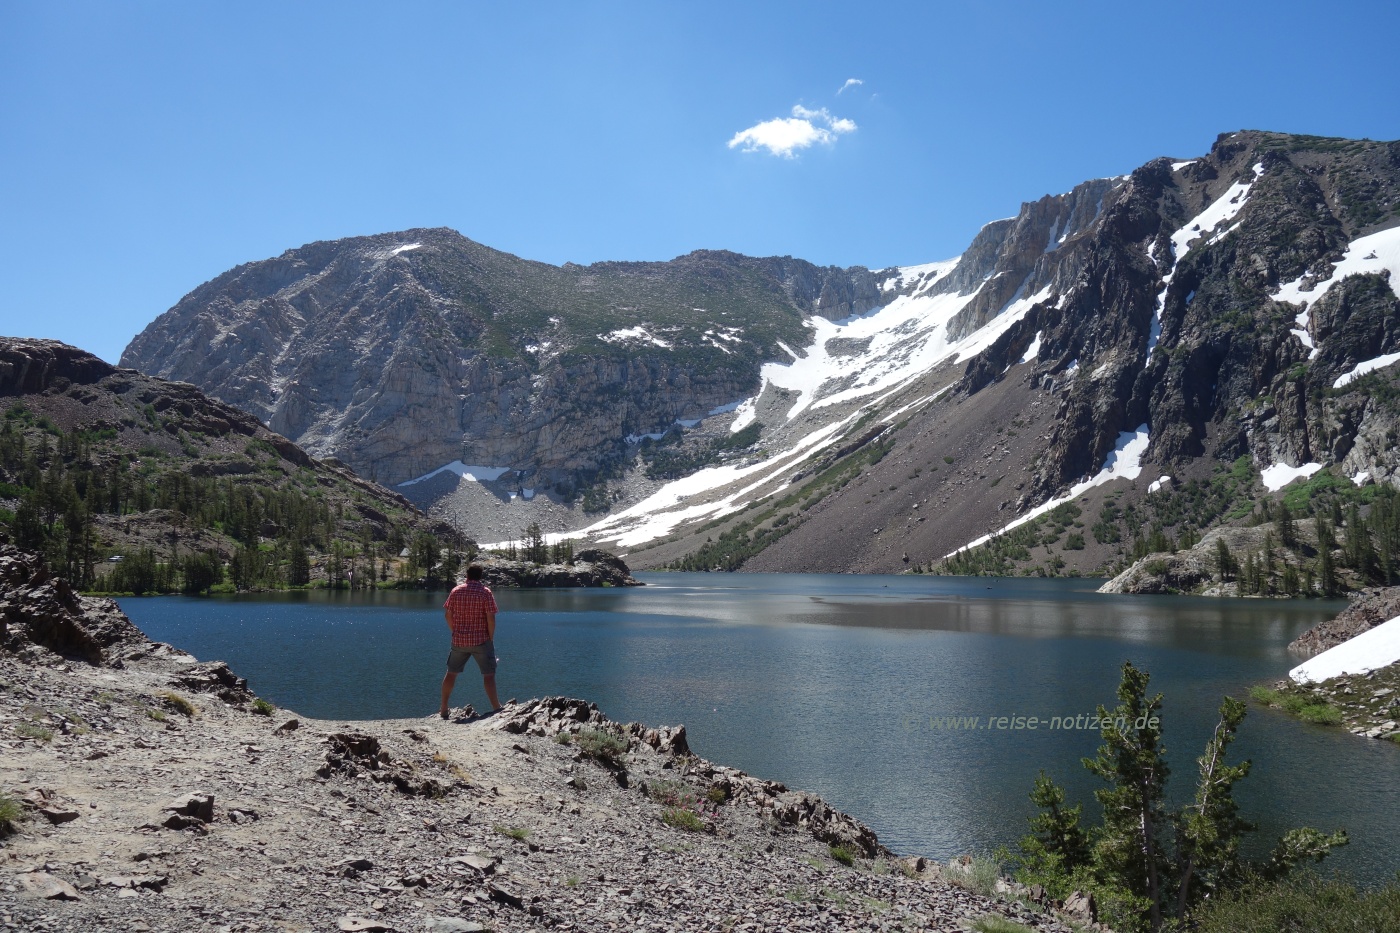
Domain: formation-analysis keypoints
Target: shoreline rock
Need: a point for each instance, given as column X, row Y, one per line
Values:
column 590, row 567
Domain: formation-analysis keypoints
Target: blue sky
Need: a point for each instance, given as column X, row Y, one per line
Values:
column 146, row 147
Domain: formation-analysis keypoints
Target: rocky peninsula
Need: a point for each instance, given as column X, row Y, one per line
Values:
column 145, row 790
column 1365, row 704
column 590, row 567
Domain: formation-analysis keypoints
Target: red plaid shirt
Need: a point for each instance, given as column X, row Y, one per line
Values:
column 467, row 607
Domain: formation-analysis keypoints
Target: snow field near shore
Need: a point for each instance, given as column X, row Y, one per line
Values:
column 1369, row 651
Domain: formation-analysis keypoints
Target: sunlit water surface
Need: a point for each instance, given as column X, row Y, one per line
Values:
column 836, row 684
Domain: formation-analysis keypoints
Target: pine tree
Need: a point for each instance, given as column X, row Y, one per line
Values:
column 1211, row 827
column 1224, row 563
column 1130, row 847
column 1326, row 573
column 534, row 549
column 1058, row 847
column 298, row 565
column 1360, row 555
column 1144, row 862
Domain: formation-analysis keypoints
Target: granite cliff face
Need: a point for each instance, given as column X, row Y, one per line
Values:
column 402, row 352
column 1173, row 322
column 1208, row 331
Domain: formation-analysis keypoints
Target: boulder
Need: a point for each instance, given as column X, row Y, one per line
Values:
column 216, row 678
column 1081, row 906
column 39, row 610
column 43, row 885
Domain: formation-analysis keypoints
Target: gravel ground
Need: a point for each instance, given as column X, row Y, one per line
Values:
column 150, row 805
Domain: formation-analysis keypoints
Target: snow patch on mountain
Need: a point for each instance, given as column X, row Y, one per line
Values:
column 1368, row 366
column 666, row 509
column 1281, row 474
column 1033, row 351
column 1123, row 462
column 476, row 474
column 1376, row 253
column 907, row 338
column 634, row 333
column 1222, row 210
column 921, row 277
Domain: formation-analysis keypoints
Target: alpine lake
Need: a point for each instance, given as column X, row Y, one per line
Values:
column 906, row 701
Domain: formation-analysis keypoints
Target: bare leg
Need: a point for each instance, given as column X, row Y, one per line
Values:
column 448, row 680
column 489, row 682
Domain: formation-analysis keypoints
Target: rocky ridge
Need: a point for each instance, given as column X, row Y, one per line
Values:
column 155, row 796
column 140, row 440
column 401, row 352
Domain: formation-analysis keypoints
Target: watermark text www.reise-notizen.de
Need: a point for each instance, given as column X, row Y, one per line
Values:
column 1018, row 723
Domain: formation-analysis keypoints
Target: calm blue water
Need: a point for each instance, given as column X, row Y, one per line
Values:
column 829, row 682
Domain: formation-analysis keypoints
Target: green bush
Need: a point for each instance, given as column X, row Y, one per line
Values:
column 673, row 793
column 32, row 730
column 1302, row 902
column 843, row 854
column 10, row 812
column 992, row 923
column 1305, row 708
column 600, row 745
column 262, row 707
column 681, row 818
column 982, row 876
column 1321, row 713
column 1266, row 695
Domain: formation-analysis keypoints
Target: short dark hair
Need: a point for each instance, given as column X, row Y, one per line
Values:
column 474, row 572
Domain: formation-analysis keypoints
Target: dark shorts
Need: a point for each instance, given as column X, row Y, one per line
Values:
column 485, row 654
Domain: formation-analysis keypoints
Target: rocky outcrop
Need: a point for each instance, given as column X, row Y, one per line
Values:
column 40, row 612
column 1371, row 607
column 590, row 567
column 1192, row 570
column 553, row 716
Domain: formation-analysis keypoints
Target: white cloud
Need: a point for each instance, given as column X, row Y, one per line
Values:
column 850, row 83
column 784, row 136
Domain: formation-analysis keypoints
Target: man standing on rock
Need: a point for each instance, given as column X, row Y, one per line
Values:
column 470, row 612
